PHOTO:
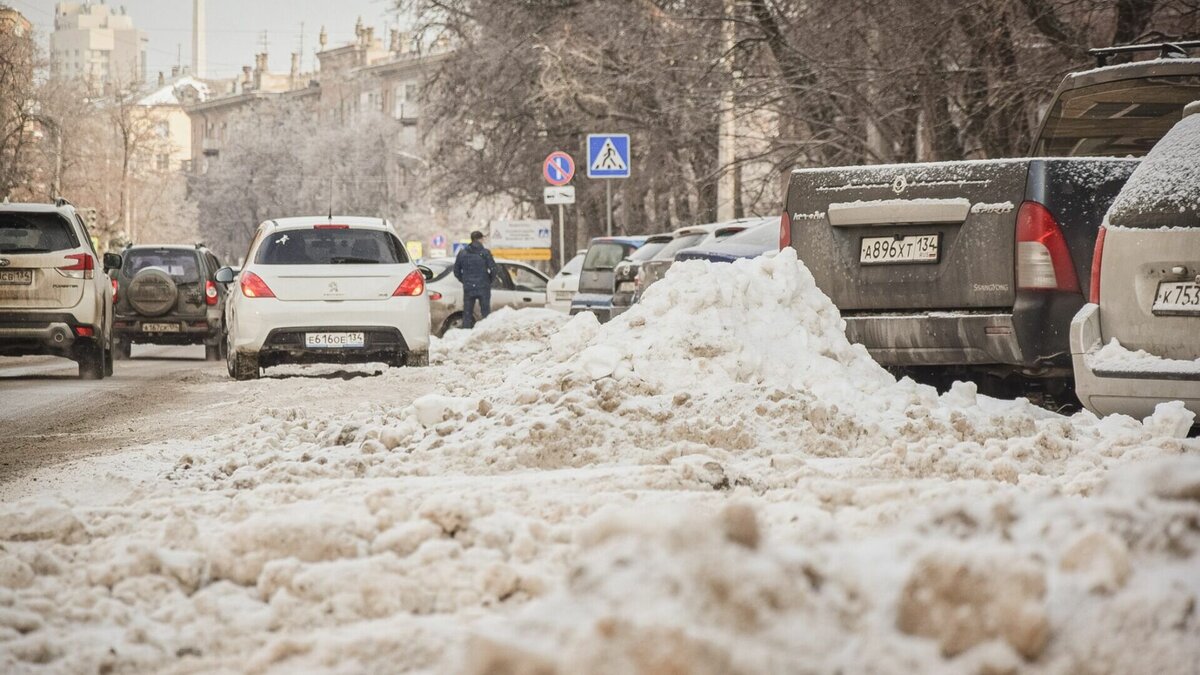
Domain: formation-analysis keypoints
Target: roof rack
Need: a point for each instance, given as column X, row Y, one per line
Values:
column 1165, row 50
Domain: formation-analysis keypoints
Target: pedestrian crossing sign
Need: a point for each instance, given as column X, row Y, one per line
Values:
column 608, row 156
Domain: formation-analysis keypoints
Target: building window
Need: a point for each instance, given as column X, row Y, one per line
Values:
column 164, row 162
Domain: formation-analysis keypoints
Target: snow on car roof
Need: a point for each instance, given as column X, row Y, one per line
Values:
column 309, row 221
column 1168, row 179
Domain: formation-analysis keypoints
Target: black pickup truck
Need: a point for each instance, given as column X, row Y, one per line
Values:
column 961, row 269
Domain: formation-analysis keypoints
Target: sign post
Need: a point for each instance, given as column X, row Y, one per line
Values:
column 608, row 157
column 559, row 169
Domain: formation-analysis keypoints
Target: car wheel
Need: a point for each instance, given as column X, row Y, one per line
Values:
column 122, row 349
column 242, row 366
column 91, row 361
column 109, row 357
column 416, row 359
column 213, row 352
column 453, row 321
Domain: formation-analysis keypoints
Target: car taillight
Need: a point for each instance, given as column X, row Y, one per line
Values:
column 434, row 295
column 331, row 226
column 785, row 231
column 81, row 266
column 254, row 287
column 1097, row 257
column 114, row 285
column 1043, row 260
column 85, row 331
column 210, row 292
column 412, row 286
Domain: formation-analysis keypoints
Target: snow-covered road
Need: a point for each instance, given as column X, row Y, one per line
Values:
column 716, row 482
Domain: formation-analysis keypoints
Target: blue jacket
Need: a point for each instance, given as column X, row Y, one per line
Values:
column 475, row 268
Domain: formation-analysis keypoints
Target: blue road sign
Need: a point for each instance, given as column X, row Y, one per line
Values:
column 608, row 156
column 456, row 247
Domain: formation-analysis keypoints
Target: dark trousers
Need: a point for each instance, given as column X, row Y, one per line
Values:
column 485, row 307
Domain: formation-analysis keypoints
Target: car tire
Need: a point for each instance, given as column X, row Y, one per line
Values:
column 416, row 359
column 214, row 352
column 90, row 357
column 452, row 321
column 242, row 366
column 122, row 349
column 109, row 358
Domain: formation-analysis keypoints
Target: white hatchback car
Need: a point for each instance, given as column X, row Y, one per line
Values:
column 325, row 290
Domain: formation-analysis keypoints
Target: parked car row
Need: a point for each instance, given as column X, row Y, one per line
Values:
column 977, row 269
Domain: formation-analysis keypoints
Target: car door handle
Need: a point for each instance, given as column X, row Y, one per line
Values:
column 527, row 299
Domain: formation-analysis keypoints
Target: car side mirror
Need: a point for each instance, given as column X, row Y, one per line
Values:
column 225, row 275
column 426, row 272
column 112, row 261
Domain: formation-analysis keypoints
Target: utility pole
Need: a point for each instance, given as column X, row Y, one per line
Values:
column 726, row 134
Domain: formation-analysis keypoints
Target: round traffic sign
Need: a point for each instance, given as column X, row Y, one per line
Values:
column 558, row 168
column 439, row 241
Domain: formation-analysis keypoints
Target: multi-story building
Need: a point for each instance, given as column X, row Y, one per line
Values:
column 13, row 22
column 92, row 42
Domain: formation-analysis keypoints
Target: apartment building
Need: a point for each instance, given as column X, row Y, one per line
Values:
column 98, row 43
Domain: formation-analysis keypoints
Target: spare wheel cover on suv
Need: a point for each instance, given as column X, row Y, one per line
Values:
column 152, row 292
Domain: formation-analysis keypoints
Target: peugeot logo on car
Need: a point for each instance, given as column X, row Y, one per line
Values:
column 899, row 184
column 333, row 289
column 4, row 262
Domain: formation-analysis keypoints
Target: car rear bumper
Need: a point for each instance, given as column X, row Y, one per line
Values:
column 257, row 320
column 287, row 345
column 937, row 338
column 192, row 329
column 1133, row 393
column 26, row 333
column 596, row 303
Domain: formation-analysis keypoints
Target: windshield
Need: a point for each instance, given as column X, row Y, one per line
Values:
column 35, row 233
column 766, row 234
column 604, row 256
column 648, row 250
column 183, row 266
column 331, row 246
column 678, row 244
column 1115, row 119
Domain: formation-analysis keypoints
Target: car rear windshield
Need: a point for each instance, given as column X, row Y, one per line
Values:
column 678, row 244
column 183, row 266
column 1116, row 119
column 331, row 246
column 574, row 265
column 604, row 256
column 35, row 233
column 758, row 235
column 441, row 269
column 648, row 250
column 1164, row 191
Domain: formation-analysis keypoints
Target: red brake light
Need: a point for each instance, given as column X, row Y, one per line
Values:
column 785, row 231
column 114, row 284
column 85, row 331
column 434, row 295
column 331, row 226
column 80, row 262
column 1097, row 257
column 412, row 286
column 1043, row 259
column 254, row 287
column 210, row 292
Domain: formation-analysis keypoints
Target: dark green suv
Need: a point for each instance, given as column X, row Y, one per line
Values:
column 167, row 295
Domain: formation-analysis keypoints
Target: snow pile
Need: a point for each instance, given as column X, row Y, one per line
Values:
column 1114, row 357
column 1167, row 183
column 717, row 481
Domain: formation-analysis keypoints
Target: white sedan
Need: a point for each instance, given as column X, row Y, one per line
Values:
column 325, row 290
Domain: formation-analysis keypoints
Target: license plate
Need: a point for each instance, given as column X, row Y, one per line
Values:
column 16, row 277
column 160, row 328
column 1177, row 297
column 334, row 340
column 916, row 248
column 563, row 295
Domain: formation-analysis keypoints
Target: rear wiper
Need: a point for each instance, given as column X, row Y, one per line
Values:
column 346, row 260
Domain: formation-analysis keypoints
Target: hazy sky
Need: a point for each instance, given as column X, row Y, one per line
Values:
column 234, row 28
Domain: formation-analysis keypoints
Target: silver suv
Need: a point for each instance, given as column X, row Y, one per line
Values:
column 54, row 295
column 1136, row 344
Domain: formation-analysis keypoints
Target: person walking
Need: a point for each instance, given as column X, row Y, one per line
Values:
column 475, row 268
